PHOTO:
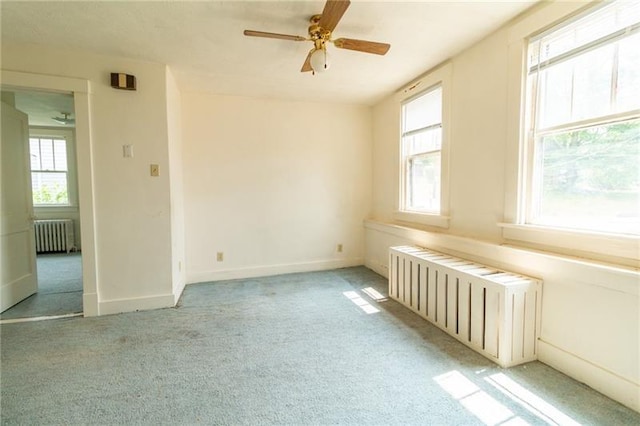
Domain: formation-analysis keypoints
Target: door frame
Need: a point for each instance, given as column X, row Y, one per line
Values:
column 81, row 90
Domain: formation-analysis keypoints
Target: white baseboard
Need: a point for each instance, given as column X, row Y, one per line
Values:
column 604, row 381
column 376, row 267
column 119, row 306
column 269, row 270
column 90, row 304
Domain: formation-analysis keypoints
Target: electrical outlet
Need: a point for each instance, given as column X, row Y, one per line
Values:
column 339, row 248
column 155, row 170
column 220, row 256
column 179, row 266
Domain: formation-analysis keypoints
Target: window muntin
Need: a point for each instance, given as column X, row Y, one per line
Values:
column 422, row 152
column 49, row 171
column 584, row 123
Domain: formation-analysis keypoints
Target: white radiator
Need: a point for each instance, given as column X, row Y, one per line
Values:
column 54, row 235
column 494, row 312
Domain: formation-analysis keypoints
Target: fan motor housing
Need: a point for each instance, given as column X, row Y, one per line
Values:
column 316, row 32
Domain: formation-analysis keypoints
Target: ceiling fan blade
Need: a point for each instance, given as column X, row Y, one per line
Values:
column 307, row 62
column 332, row 13
column 274, row 35
column 362, row 45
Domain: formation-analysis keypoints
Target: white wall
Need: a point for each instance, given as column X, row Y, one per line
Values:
column 132, row 209
column 274, row 185
column 590, row 313
column 477, row 140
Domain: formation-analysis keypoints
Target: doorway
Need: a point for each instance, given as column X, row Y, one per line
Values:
column 52, row 172
column 79, row 92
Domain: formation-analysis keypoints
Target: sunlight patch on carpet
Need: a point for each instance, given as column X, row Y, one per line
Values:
column 363, row 304
column 529, row 400
column 374, row 294
column 486, row 408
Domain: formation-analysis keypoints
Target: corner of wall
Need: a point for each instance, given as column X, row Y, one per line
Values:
column 174, row 132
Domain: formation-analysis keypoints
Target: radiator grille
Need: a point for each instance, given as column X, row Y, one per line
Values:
column 54, row 235
column 494, row 312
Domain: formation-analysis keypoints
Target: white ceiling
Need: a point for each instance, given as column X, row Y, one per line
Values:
column 43, row 107
column 204, row 45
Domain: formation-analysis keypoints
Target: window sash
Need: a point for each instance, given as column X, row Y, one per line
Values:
column 590, row 122
column 431, row 149
column 623, row 17
column 565, row 194
column 58, row 164
column 411, row 186
column 537, row 104
column 37, row 186
column 422, row 130
column 580, row 50
column 535, row 191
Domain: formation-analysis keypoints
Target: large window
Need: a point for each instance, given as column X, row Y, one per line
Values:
column 583, row 123
column 49, row 171
column 422, row 152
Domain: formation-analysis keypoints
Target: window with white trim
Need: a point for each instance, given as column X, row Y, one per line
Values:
column 49, row 171
column 422, row 152
column 582, row 158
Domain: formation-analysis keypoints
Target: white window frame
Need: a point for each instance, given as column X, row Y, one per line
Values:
column 440, row 77
column 600, row 246
column 72, row 183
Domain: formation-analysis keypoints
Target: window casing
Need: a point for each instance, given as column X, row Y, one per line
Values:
column 422, row 152
column 582, row 127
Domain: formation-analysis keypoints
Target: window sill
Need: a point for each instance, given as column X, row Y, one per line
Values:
column 54, row 208
column 422, row 218
column 611, row 248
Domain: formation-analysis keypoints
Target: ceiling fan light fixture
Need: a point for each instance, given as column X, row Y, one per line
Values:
column 320, row 60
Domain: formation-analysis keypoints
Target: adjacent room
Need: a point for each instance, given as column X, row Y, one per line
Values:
column 320, row 212
column 54, row 199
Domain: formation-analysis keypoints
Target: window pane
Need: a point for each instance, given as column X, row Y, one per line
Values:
column 425, row 141
column 46, row 150
column 34, row 152
column 423, row 178
column 555, row 95
column 423, row 111
column 628, row 94
column 577, row 89
column 590, row 179
column 60, row 151
column 592, row 83
column 49, row 188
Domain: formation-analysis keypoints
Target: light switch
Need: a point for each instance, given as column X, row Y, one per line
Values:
column 127, row 151
column 155, row 170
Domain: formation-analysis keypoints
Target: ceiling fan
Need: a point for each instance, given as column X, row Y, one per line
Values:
column 65, row 119
column 320, row 32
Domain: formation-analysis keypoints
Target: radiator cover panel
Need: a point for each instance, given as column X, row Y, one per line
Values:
column 494, row 312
